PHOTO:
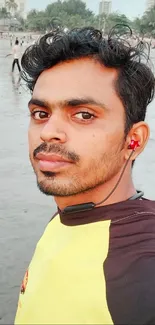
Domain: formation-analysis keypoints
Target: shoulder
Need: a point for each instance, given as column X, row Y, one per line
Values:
column 133, row 231
column 50, row 230
column 130, row 211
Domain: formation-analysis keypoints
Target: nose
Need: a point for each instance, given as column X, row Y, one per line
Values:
column 54, row 131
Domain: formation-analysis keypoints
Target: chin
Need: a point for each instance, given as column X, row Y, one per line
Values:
column 52, row 185
column 46, row 183
column 54, row 189
column 58, row 186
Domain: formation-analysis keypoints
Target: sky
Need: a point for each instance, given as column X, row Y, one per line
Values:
column 131, row 8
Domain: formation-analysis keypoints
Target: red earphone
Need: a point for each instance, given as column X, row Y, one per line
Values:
column 134, row 145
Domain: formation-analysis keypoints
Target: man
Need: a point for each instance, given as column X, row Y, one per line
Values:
column 16, row 52
column 16, row 56
column 95, row 263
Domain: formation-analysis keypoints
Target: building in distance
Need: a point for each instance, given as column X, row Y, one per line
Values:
column 105, row 7
column 21, row 7
column 149, row 4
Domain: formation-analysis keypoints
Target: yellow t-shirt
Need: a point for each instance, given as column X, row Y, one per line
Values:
column 65, row 281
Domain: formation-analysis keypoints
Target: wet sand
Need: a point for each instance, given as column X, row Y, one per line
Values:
column 24, row 211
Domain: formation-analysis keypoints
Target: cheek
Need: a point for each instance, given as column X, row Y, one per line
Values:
column 89, row 144
column 94, row 144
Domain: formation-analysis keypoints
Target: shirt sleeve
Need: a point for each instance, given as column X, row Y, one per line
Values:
column 130, row 273
column 133, row 301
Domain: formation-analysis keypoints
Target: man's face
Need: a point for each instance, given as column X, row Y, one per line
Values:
column 76, row 132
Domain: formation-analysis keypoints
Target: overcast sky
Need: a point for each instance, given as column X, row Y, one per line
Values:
column 131, row 8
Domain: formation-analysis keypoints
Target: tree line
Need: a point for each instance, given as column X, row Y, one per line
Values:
column 74, row 13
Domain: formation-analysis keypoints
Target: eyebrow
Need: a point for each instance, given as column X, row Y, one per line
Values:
column 37, row 102
column 73, row 102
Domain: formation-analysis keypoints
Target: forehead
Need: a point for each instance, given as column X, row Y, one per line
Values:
column 82, row 77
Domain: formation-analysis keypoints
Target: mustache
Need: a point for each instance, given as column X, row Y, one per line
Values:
column 56, row 149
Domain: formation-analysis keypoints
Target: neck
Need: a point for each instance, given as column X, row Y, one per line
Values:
column 123, row 192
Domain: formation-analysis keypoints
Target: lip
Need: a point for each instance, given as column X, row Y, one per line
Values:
column 51, row 157
column 51, row 162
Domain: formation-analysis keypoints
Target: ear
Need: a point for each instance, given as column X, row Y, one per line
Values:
column 140, row 132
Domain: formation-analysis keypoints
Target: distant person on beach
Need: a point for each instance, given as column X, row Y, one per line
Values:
column 22, row 42
column 16, row 55
column 16, row 52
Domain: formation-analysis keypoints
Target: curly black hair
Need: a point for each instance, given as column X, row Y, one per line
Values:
column 135, row 83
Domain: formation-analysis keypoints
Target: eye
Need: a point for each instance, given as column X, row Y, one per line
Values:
column 84, row 116
column 40, row 115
